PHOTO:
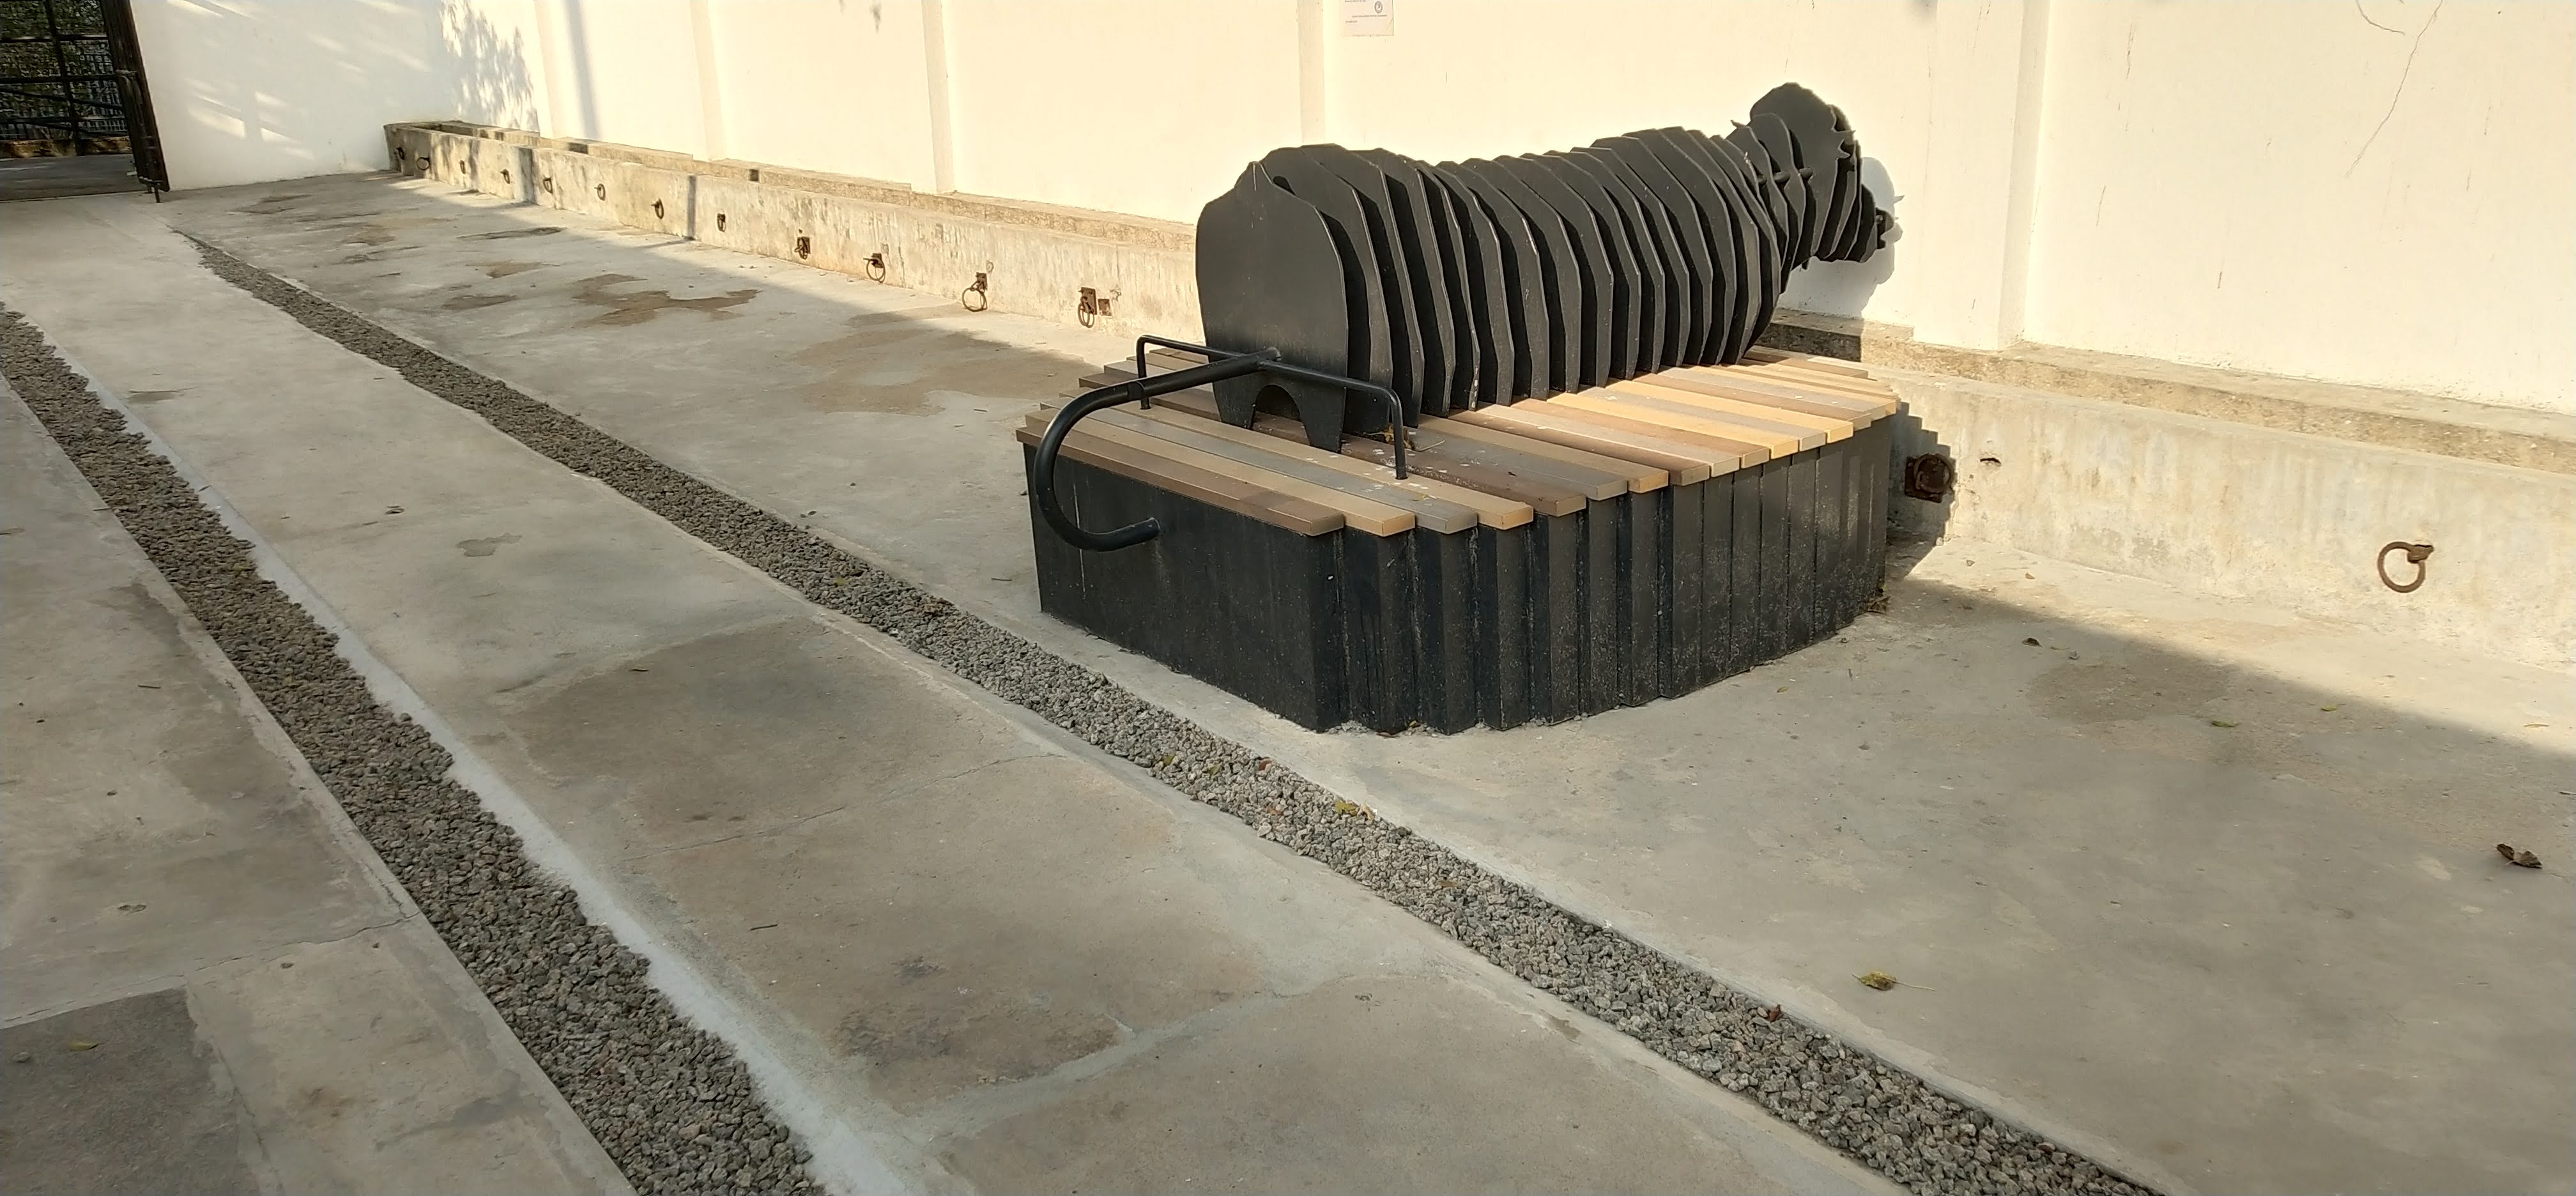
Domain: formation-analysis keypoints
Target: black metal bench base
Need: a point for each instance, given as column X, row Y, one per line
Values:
column 1645, row 596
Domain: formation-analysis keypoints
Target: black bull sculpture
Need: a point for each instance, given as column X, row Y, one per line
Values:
column 1469, row 283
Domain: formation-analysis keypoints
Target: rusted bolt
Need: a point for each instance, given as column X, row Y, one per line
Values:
column 505, row 174
column 1929, row 477
column 804, row 246
column 719, row 222
column 2415, row 554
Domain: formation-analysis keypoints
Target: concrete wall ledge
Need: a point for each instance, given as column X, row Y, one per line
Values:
column 1030, row 258
column 1036, row 273
column 2398, row 419
column 1105, row 226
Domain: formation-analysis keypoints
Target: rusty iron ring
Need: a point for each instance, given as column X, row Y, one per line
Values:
column 2415, row 554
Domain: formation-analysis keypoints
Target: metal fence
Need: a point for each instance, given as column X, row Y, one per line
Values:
column 58, row 83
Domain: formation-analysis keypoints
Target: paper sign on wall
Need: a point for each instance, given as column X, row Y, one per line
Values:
column 1368, row 18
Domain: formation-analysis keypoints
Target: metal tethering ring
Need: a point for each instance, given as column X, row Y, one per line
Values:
column 2415, row 554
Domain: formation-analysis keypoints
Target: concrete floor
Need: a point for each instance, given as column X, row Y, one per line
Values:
column 263, row 1009
column 55, row 178
column 2203, row 888
column 959, row 950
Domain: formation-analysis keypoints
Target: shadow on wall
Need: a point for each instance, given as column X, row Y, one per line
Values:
column 256, row 90
column 1844, row 288
column 487, row 70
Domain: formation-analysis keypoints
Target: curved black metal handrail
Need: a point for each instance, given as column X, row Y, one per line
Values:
column 1221, row 365
column 1394, row 406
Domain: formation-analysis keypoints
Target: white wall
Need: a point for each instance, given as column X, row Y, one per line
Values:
column 2352, row 190
column 622, row 70
column 2294, row 189
column 1149, row 107
column 833, row 87
column 253, row 90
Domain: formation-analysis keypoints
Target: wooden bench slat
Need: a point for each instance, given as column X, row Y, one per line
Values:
column 1779, row 442
column 1834, row 428
column 1868, row 389
column 1825, row 385
column 1830, row 365
column 1863, row 404
column 1269, row 506
column 1591, row 477
column 1767, row 389
column 1632, row 476
column 1745, row 452
column 1785, row 438
column 1638, row 476
column 1361, row 514
column 1306, row 463
column 1358, row 513
column 1687, row 463
column 1435, row 514
column 1545, row 493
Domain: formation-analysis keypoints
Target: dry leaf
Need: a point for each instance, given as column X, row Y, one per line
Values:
column 2032, row 641
column 1878, row 980
column 80, row 1044
column 2519, row 859
column 2331, row 709
column 2222, row 722
column 1346, row 806
column 1772, row 1014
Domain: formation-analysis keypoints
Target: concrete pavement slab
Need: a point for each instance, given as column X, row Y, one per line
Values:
column 933, row 839
column 269, row 1012
column 2221, row 824
column 120, row 1096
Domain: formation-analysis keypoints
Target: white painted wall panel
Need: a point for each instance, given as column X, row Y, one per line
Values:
column 834, row 87
column 1149, row 107
column 252, row 90
column 624, row 71
column 2295, row 189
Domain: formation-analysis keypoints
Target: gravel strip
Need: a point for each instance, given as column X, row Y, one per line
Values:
column 669, row 1102
column 1844, row 1097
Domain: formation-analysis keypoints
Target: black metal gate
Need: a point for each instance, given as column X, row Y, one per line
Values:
column 71, row 82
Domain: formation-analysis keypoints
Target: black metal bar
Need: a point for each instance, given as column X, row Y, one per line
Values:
column 142, row 132
column 1042, row 463
column 73, row 123
column 62, row 65
column 1271, row 365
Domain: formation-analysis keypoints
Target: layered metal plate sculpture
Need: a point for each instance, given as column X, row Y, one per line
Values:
column 1486, row 441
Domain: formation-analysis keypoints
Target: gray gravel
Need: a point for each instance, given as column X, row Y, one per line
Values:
column 1842, row 1096
column 670, row 1102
